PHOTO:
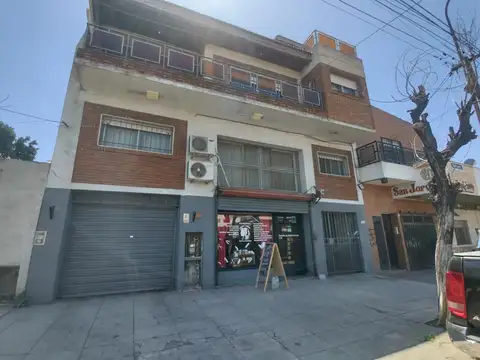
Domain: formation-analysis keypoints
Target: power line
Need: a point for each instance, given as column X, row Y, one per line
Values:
column 428, row 19
column 395, row 28
column 370, row 35
column 372, row 24
column 30, row 116
column 430, row 32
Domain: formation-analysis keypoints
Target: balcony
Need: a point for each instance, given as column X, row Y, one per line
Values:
column 384, row 163
column 187, row 66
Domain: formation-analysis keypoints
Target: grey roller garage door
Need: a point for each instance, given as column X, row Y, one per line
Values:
column 118, row 244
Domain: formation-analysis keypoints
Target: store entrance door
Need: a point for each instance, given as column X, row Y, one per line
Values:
column 288, row 234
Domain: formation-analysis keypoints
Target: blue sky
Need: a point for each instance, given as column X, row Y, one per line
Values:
column 37, row 53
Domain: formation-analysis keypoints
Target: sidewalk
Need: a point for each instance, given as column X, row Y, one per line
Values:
column 346, row 317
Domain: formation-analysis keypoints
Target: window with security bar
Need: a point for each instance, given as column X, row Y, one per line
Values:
column 129, row 134
column 258, row 167
column 332, row 164
column 462, row 232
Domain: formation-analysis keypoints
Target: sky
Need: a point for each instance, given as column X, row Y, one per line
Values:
column 39, row 38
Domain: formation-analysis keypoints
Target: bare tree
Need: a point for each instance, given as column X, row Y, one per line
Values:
column 443, row 190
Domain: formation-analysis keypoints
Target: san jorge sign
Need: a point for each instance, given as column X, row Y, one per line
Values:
column 404, row 191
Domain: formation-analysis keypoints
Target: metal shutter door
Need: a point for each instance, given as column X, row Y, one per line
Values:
column 117, row 248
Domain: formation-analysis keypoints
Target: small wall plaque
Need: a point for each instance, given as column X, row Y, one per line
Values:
column 40, row 237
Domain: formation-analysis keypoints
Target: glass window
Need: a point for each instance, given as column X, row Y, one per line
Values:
column 462, row 233
column 257, row 167
column 344, row 89
column 122, row 134
column 333, row 164
column 241, row 238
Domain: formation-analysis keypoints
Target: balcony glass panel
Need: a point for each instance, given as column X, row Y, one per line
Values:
column 180, row 60
column 267, row 85
column 212, row 69
column 311, row 97
column 146, row 51
column 107, row 40
column 290, row 91
column 240, row 77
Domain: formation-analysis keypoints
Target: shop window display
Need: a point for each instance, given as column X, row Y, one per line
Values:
column 241, row 238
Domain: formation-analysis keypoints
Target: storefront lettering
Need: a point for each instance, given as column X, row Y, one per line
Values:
column 412, row 189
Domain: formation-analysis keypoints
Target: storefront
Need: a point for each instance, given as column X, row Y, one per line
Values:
column 243, row 228
column 402, row 219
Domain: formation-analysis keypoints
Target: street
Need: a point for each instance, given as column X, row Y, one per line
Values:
column 344, row 317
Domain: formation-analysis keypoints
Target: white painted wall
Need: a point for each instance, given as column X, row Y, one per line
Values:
column 197, row 125
column 22, row 184
column 211, row 50
column 387, row 170
column 336, row 59
column 473, row 220
column 67, row 137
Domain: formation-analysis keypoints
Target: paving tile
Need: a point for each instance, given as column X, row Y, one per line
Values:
column 239, row 328
column 304, row 345
column 108, row 339
column 159, row 344
column 250, row 343
column 271, row 354
column 201, row 335
column 222, row 349
column 154, row 331
column 329, row 354
column 54, row 355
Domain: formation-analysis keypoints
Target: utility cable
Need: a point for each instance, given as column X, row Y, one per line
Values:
column 369, row 36
column 30, row 116
column 372, row 24
column 420, row 26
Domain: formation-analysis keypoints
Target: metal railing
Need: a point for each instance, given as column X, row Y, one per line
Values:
column 141, row 48
column 378, row 151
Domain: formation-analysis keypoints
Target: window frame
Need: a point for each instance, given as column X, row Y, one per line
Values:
column 342, row 90
column 347, row 162
column 132, row 121
column 463, row 226
column 260, row 166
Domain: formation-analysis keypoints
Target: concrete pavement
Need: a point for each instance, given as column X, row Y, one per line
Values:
column 347, row 317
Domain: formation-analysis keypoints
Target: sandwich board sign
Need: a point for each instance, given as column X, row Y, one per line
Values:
column 270, row 265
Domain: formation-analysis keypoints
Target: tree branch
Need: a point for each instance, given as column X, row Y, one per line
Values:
column 465, row 131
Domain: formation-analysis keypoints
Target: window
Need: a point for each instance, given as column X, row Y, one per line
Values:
column 125, row 134
column 462, row 233
column 257, row 167
column 343, row 85
column 333, row 164
column 241, row 238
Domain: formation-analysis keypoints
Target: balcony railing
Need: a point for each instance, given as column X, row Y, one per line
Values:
column 166, row 56
column 378, row 151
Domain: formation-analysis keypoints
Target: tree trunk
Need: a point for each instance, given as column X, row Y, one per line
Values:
column 443, row 251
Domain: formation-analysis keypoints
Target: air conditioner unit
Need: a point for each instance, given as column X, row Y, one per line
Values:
column 201, row 145
column 200, row 171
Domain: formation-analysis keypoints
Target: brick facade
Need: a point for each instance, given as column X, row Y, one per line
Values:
column 339, row 106
column 335, row 187
column 392, row 127
column 96, row 164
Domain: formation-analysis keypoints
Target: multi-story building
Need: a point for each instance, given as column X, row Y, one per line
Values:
column 399, row 213
column 186, row 143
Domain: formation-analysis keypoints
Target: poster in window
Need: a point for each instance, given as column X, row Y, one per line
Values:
column 241, row 238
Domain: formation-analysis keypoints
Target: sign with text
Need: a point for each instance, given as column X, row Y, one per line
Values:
column 465, row 174
column 270, row 265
